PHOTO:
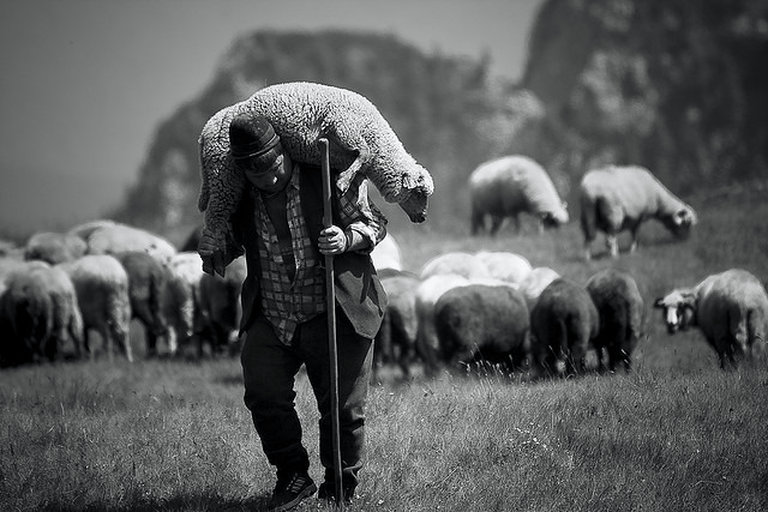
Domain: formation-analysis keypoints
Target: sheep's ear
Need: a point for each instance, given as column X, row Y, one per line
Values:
column 659, row 303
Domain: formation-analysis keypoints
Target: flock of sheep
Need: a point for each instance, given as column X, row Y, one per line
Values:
column 460, row 308
column 463, row 308
column 494, row 307
column 99, row 276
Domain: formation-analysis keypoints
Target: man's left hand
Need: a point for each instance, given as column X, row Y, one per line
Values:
column 332, row 241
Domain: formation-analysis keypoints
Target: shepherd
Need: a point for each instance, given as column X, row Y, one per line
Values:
column 279, row 225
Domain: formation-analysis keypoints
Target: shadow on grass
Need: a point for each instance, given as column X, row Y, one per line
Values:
column 205, row 501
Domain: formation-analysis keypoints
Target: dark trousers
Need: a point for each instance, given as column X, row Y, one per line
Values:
column 269, row 370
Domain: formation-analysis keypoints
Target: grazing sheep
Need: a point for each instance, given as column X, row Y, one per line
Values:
column 120, row 238
column 182, row 305
column 478, row 322
column 386, row 254
column 147, row 287
column 505, row 266
column 614, row 199
column 101, row 284
column 427, row 294
column 220, row 307
column 535, row 282
column 730, row 309
column 460, row 263
column 564, row 322
column 511, row 185
column 396, row 339
column 40, row 308
column 54, row 248
column 360, row 139
column 621, row 310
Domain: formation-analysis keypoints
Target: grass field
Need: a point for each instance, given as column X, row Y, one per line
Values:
column 675, row 434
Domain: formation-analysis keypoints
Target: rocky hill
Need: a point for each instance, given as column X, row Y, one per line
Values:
column 681, row 87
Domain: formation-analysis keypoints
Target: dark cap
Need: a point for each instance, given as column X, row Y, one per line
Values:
column 253, row 142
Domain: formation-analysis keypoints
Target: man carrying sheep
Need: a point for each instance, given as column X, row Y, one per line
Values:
column 278, row 224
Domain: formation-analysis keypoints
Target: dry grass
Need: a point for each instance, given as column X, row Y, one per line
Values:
column 675, row 434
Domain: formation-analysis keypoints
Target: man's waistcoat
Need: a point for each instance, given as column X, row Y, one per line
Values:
column 358, row 290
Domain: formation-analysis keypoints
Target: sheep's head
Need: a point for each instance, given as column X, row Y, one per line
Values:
column 416, row 187
column 679, row 309
column 557, row 217
column 681, row 222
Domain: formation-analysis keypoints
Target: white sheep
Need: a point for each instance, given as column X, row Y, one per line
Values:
column 511, row 185
column 101, row 284
column 118, row 238
column 53, row 247
column 41, row 308
column 506, row 266
column 182, row 304
column 535, row 283
column 387, row 254
column 730, row 309
column 460, row 263
column 361, row 141
column 614, row 199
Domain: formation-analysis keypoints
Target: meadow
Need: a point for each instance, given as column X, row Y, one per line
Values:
column 676, row 433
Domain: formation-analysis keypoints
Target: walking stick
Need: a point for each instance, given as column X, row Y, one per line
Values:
column 330, row 299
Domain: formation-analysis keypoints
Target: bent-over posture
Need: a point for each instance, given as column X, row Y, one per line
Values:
column 278, row 224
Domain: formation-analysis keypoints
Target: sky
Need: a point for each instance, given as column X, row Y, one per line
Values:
column 85, row 83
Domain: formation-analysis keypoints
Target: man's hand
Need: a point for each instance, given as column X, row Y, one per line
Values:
column 332, row 241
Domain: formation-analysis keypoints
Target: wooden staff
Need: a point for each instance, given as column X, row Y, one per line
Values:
column 330, row 299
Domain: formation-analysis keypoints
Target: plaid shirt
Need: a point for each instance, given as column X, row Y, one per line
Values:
column 286, row 302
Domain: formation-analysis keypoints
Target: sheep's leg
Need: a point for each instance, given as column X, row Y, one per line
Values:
column 496, row 222
column 612, row 242
column 355, row 144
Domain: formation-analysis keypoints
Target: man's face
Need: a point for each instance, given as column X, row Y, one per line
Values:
column 273, row 179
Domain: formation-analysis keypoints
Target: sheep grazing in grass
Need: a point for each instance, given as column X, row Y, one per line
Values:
column 535, row 283
column 361, row 141
column 120, row 238
column 427, row 294
column 101, row 284
column 147, row 287
column 614, row 199
column 220, row 307
column 396, row 339
column 506, row 266
column 730, row 309
column 511, row 185
column 459, row 263
column 621, row 310
column 386, row 254
column 54, row 248
column 182, row 305
column 564, row 322
column 41, row 311
column 485, row 323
